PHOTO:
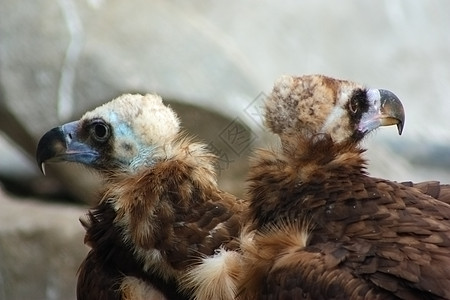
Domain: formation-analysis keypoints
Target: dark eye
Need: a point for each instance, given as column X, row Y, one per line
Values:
column 358, row 102
column 354, row 105
column 100, row 131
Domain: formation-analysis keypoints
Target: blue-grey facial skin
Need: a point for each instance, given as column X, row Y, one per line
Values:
column 77, row 151
column 129, row 152
column 62, row 144
column 75, row 142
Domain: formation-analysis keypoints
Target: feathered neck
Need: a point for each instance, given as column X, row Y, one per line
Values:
column 277, row 178
column 314, row 157
column 194, row 154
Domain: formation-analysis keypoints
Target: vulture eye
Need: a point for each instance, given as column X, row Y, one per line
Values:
column 354, row 105
column 100, row 131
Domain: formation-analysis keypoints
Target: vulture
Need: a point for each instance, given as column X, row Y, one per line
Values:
column 319, row 227
column 161, row 220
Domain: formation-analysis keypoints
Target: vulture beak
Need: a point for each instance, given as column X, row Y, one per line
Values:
column 385, row 110
column 62, row 144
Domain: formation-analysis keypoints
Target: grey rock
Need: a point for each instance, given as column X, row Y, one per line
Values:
column 61, row 58
column 41, row 248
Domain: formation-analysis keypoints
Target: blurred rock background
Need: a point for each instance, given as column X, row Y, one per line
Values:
column 213, row 62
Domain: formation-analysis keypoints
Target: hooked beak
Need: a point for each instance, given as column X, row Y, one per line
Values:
column 62, row 144
column 385, row 110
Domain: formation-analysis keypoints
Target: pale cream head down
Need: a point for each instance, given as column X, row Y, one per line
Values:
column 152, row 122
column 314, row 103
column 142, row 126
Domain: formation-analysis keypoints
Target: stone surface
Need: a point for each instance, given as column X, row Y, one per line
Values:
column 213, row 61
column 62, row 58
column 41, row 248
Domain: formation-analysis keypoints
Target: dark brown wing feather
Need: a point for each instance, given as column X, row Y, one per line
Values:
column 99, row 275
column 316, row 272
column 97, row 281
column 110, row 260
column 433, row 188
column 207, row 225
column 182, row 214
column 203, row 228
column 368, row 237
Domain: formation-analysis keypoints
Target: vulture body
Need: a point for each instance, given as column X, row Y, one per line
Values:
column 161, row 217
column 320, row 226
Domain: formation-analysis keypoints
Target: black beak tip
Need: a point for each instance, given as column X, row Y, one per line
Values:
column 48, row 146
column 395, row 108
column 400, row 128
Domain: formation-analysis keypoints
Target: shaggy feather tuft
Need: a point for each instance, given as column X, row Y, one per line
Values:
column 215, row 277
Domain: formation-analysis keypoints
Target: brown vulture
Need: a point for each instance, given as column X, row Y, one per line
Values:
column 161, row 217
column 320, row 226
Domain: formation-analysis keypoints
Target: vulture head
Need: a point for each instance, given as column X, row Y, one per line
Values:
column 123, row 135
column 344, row 110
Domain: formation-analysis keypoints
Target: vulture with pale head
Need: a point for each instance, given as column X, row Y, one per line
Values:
column 320, row 226
column 161, row 216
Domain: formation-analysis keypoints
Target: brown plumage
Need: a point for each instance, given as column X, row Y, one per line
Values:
column 162, row 217
column 321, row 227
column 432, row 188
